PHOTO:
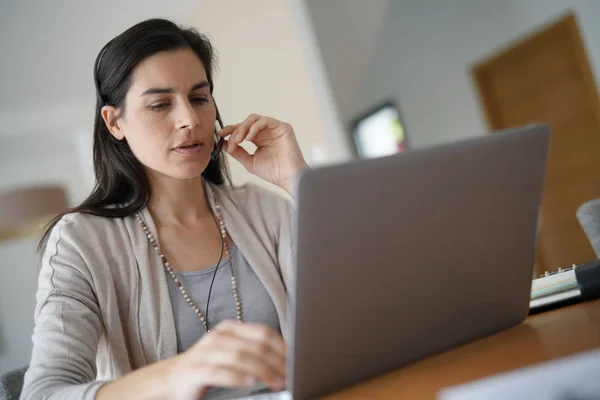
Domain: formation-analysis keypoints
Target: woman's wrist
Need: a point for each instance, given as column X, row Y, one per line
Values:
column 289, row 185
column 150, row 382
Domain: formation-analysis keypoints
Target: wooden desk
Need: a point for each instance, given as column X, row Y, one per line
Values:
column 541, row 337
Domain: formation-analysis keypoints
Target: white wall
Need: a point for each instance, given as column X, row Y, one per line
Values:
column 49, row 48
column 348, row 32
column 342, row 35
column 427, row 48
column 262, row 69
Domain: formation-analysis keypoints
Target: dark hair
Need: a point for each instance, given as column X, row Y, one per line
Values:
column 120, row 177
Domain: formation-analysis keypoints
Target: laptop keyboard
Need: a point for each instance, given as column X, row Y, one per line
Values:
column 259, row 392
column 268, row 395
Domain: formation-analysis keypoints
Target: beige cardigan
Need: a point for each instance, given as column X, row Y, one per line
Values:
column 103, row 306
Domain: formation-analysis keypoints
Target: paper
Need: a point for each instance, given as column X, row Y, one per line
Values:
column 542, row 301
column 572, row 378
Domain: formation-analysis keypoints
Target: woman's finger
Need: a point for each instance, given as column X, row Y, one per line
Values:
column 222, row 376
column 239, row 153
column 227, row 130
column 232, row 352
column 256, row 127
column 241, row 132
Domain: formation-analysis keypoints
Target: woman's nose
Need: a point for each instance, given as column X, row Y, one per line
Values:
column 186, row 116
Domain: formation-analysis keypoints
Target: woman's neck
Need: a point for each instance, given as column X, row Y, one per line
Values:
column 177, row 201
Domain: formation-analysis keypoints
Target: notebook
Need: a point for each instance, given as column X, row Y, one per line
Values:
column 554, row 287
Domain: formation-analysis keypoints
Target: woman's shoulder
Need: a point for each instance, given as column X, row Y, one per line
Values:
column 85, row 232
column 82, row 223
column 85, row 242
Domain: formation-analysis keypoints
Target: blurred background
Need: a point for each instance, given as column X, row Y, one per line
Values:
column 356, row 79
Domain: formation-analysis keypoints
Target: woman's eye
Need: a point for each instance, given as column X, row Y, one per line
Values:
column 199, row 100
column 158, row 106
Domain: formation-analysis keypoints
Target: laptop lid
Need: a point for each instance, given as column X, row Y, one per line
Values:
column 405, row 256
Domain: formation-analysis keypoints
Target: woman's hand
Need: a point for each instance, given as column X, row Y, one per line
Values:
column 277, row 158
column 232, row 355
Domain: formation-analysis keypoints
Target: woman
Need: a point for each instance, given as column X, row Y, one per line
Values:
column 144, row 285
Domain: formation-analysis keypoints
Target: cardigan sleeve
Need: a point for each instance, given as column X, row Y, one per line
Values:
column 67, row 324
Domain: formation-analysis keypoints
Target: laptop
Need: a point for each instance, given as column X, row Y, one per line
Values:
column 405, row 256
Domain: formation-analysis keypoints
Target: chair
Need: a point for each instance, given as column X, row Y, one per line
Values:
column 11, row 384
column 588, row 215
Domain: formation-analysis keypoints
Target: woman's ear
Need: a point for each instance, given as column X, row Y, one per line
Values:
column 110, row 115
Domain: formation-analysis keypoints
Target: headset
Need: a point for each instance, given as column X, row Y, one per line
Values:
column 219, row 145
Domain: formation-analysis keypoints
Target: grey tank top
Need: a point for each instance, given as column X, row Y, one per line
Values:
column 257, row 305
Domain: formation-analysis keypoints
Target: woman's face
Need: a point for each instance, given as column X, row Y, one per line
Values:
column 169, row 115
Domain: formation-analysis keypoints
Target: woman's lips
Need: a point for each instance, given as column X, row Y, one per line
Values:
column 188, row 149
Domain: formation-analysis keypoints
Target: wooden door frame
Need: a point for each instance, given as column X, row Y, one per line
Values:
column 568, row 22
